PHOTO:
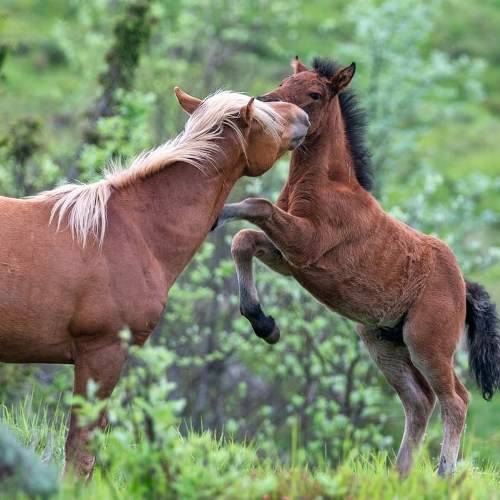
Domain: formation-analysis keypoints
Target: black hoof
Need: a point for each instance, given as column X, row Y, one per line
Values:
column 264, row 326
column 274, row 336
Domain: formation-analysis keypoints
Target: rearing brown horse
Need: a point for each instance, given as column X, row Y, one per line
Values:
column 65, row 295
column 403, row 287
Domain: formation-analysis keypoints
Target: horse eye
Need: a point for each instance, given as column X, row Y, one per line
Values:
column 315, row 95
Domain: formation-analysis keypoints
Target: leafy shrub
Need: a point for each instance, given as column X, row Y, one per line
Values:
column 22, row 471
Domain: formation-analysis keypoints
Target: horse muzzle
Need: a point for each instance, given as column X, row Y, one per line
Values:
column 300, row 130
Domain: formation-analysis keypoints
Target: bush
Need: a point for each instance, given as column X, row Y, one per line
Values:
column 22, row 471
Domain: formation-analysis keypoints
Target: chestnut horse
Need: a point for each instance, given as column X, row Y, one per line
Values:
column 120, row 243
column 404, row 288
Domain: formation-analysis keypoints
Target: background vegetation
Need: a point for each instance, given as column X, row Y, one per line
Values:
column 81, row 82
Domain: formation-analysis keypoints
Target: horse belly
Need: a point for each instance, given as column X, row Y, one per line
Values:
column 15, row 349
column 352, row 296
column 24, row 340
column 35, row 307
column 33, row 324
column 373, row 287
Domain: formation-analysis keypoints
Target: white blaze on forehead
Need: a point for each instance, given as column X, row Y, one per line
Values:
column 84, row 205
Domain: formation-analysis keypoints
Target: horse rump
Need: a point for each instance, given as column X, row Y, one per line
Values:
column 483, row 339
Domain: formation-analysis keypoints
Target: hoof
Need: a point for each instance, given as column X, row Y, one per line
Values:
column 264, row 326
column 267, row 329
column 274, row 336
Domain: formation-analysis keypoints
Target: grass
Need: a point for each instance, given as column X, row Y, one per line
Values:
column 36, row 429
column 202, row 466
column 482, row 438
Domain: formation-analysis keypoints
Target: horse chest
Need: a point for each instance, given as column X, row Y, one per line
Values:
column 146, row 316
column 141, row 306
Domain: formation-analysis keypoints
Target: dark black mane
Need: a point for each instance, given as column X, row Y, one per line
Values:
column 355, row 123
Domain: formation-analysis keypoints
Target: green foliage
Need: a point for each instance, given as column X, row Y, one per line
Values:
column 130, row 33
column 21, row 175
column 3, row 55
column 23, row 143
column 406, row 87
column 144, row 455
column 21, row 470
column 120, row 136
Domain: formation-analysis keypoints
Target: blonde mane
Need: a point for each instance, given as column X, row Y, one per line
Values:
column 84, row 205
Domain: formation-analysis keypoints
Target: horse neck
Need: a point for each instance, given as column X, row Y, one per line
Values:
column 174, row 209
column 325, row 155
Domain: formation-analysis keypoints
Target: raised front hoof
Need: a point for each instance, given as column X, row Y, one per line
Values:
column 267, row 330
column 264, row 326
column 274, row 337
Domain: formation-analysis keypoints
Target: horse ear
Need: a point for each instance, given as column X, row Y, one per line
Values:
column 246, row 112
column 342, row 78
column 298, row 66
column 188, row 103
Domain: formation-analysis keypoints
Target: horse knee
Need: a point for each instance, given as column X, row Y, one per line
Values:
column 243, row 245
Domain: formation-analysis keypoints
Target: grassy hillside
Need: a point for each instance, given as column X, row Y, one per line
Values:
column 202, row 466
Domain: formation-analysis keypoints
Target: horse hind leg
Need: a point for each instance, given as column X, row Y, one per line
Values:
column 432, row 335
column 417, row 397
column 247, row 244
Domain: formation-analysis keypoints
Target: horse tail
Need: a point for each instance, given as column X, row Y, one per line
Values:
column 484, row 339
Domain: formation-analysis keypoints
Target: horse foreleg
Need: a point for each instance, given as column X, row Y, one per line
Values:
column 298, row 239
column 247, row 244
column 103, row 364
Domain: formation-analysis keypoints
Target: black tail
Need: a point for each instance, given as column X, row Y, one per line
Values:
column 484, row 339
